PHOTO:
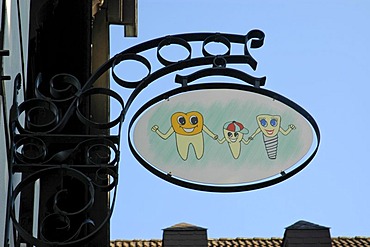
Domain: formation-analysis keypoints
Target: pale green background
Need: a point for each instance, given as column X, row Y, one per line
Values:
column 217, row 166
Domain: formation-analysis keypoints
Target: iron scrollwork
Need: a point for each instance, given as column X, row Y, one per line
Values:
column 44, row 148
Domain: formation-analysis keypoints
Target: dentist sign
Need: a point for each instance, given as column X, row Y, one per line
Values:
column 223, row 137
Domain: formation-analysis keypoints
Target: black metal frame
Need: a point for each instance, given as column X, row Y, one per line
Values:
column 41, row 151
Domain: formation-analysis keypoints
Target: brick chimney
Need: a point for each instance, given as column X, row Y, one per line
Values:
column 185, row 235
column 306, row 234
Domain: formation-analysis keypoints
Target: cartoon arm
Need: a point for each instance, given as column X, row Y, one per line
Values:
column 222, row 140
column 164, row 136
column 210, row 133
column 246, row 142
column 290, row 128
column 258, row 130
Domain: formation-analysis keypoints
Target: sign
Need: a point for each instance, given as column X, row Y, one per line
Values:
column 222, row 135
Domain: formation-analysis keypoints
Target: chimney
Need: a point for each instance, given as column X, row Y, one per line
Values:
column 185, row 235
column 306, row 234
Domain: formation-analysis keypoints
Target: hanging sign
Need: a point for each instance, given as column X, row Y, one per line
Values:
column 223, row 137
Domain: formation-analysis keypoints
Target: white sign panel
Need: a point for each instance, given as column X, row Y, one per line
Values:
column 222, row 136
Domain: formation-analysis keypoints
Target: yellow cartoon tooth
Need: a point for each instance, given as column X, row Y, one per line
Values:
column 188, row 129
column 187, row 124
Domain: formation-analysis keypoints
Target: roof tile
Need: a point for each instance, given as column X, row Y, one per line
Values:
column 245, row 242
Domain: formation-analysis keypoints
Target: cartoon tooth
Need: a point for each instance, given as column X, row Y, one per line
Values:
column 188, row 129
column 233, row 134
column 269, row 125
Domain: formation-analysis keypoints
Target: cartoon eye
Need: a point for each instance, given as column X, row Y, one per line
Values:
column 181, row 120
column 229, row 134
column 236, row 134
column 263, row 122
column 273, row 122
column 193, row 120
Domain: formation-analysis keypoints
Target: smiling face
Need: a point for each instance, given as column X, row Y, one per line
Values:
column 233, row 136
column 188, row 124
column 269, row 124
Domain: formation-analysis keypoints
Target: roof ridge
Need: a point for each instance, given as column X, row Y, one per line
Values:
column 306, row 225
column 184, row 226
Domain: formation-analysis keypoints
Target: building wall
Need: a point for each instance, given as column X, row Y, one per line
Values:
column 64, row 39
column 14, row 30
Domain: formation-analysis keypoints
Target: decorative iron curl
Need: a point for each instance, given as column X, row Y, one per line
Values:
column 59, row 106
column 218, row 62
column 31, row 150
column 61, row 227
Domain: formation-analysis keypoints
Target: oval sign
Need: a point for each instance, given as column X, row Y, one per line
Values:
column 223, row 137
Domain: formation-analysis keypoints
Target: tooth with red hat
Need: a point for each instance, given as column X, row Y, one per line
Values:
column 233, row 135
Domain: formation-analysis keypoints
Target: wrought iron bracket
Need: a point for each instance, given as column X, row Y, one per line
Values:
column 43, row 148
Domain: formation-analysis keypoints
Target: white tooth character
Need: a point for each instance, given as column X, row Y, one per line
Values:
column 269, row 125
column 233, row 134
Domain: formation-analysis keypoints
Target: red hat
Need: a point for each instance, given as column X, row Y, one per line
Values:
column 235, row 127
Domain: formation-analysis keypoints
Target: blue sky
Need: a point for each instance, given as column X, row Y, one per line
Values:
column 316, row 54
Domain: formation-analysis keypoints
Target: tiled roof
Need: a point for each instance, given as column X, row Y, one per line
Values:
column 245, row 242
column 350, row 242
column 136, row 243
